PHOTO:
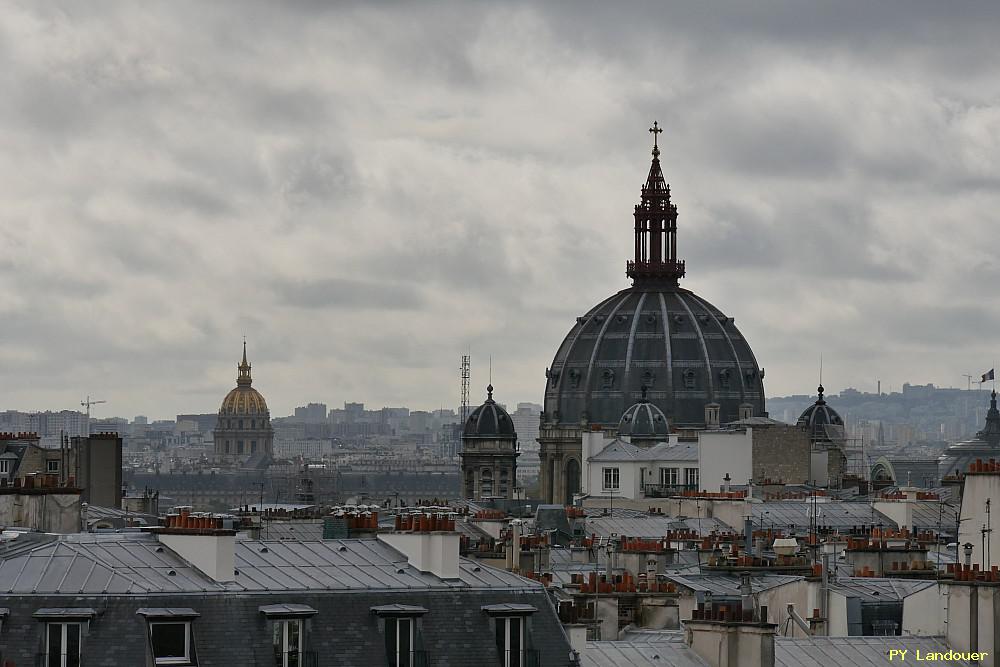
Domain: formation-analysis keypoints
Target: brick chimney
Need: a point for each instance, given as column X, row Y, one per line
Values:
column 201, row 540
column 429, row 542
column 728, row 636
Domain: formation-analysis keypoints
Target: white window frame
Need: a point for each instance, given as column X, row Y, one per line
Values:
column 50, row 468
column 172, row 660
column 4, row 466
column 65, row 635
column 404, row 660
column 692, row 478
column 611, row 478
column 670, row 476
column 506, row 650
column 284, row 624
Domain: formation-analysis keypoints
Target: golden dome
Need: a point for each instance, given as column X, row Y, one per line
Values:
column 244, row 399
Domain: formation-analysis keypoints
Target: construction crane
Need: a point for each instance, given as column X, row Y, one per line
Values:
column 87, row 403
column 969, row 378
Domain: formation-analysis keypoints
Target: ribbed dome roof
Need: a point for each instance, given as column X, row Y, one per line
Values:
column 684, row 349
column 244, row 399
column 489, row 420
column 956, row 459
column 644, row 421
column 654, row 334
column 818, row 417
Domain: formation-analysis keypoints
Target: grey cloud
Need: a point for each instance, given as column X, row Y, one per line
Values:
column 350, row 295
column 366, row 190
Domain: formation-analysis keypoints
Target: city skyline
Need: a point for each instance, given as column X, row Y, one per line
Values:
column 834, row 172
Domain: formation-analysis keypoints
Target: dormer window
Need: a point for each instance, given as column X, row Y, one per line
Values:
column 574, row 378
column 689, row 378
column 724, row 378
column 607, row 379
column 400, row 625
column 171, row 641
column 511, row 628
column 288, row 625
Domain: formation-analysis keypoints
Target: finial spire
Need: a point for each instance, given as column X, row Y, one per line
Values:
column 655, row 228
column 489, row 392
column 644, row 388
column 244, row 368
column 655, row 130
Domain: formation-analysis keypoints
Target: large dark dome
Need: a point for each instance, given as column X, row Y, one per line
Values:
column 684, row 349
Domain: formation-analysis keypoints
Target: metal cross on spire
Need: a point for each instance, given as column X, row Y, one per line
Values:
column 655, row 130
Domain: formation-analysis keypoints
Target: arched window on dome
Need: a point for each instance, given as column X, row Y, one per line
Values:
column 241, row 423
column 725, row 378
column 486, row 483
column 253, row 423
column 689, row 379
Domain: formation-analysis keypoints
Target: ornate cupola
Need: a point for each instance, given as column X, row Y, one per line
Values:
column 655, row 229
column 243, row 378
column 489, row 452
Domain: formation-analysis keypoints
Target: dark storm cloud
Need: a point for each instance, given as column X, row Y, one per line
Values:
column 368, row 190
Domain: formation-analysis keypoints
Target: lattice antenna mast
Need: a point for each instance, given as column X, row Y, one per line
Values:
column 465, row 369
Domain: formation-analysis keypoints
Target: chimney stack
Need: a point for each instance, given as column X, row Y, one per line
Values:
column 201, row 540
column 429, row 542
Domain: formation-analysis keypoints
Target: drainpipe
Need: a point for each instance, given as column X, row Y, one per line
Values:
column 824, row 595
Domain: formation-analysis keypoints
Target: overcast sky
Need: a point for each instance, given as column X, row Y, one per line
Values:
column 366, row 192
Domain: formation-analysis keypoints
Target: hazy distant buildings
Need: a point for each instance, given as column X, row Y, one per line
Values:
column 311, row 412
column 243, row 429
column 525, row 420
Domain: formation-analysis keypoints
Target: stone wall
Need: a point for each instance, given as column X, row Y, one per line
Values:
column 781, row 454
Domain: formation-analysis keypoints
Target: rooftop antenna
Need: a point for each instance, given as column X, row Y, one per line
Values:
column 465, row 374
column 87, row 403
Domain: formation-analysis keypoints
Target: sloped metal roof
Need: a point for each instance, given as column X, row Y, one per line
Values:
column 663, row 649
column 834, row 514
column 630, row 654
column 723, row 585
column 130, row 563
column 879, row 590
column 652, row 526
column 837, row 651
